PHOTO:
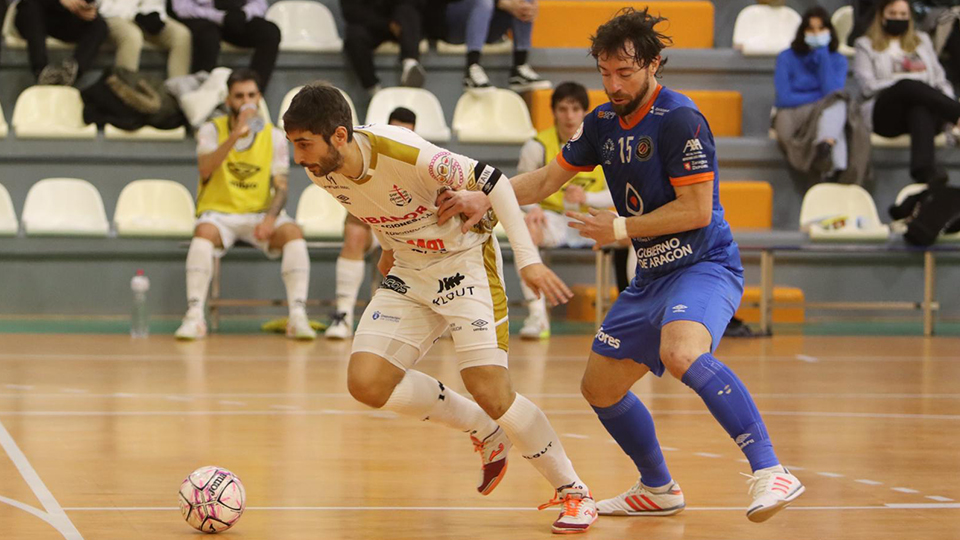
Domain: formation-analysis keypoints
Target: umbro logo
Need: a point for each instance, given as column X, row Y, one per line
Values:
column 479, row 323
column 679, row 308
column 744, row 439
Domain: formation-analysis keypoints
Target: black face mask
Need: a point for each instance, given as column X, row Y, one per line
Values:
column 896, row 27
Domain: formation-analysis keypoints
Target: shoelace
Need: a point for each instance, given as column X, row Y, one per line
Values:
column 757, row 485
column 338, row 318
column 478, row 75
column 571, row 504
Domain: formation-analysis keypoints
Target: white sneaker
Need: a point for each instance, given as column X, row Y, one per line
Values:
column 536, row 326
column 413, row 74
column 476, row 79
column 341, row 327
column 640, row 501
column 525, row 79
column 298, row 327
column 772, row 489
column 192, row 327
column 579, row 510
column 493, row 459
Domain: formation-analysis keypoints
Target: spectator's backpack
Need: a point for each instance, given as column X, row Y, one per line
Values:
column 129, row 101
column 928, row 213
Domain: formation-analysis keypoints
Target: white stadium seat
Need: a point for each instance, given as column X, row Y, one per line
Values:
column 319, row 214
column 8, row 216
column 494, row 116
column 431, row 124
column 146, row 133
column 160, row 208
column 305, row 26
column 64, row 207
column 51, row 112
column 762, row 30
column 842, row 21
column 504, row 46
column 4, row 128
column 287, row 99
column 841, row 212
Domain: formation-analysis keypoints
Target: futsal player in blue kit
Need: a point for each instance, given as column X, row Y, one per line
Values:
column 659, row 158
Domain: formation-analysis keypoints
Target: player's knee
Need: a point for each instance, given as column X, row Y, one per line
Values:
column 493, row 401
column 490, row 387
column 369, row 388
column 677, row 359
column 597, row 394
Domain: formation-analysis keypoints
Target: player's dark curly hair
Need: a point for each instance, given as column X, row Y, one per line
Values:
column 320, row 109
column 634, row 27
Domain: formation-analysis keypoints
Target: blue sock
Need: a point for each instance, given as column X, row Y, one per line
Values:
column 631, row 425
column 731, row 404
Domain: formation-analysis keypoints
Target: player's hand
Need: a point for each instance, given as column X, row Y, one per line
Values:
column 242, row 129
column 395, row 29
column 264, row 229
column 598, row 226
column 574, row 195
column 535, row 217
column 543, row 281
column 469, row 205
column 386, row 262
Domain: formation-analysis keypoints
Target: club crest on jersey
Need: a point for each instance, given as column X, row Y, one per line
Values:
column 578, row 133
column 446, row 170
column 634, row 202
column 644, row 148
column 399, row 196
column 242, row 170
column 609, row 151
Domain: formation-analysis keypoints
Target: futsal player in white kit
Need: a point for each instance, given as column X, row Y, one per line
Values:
column 436, row 277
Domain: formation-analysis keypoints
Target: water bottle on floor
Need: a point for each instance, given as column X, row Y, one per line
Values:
column 139, row 322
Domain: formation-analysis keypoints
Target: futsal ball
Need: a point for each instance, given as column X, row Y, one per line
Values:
column 212, row 499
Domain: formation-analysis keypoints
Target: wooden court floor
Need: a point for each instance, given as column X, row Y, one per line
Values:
column 96, row 433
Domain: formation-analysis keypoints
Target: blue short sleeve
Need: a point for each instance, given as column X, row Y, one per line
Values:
column 580, row 152
column 687, row 148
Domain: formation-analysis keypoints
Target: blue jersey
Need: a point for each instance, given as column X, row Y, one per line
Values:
column 668, row 145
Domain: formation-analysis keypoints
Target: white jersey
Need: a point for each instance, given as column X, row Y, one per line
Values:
column 397, row 191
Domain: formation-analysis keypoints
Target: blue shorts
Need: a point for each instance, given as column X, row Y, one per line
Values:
column 706, row 292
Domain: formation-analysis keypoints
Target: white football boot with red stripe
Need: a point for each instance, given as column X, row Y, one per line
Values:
column 772, row 490
column 641, row 501
column 579, row 509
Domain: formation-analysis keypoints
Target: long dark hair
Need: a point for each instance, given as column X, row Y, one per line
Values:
column 799, row 44
column 634, row 27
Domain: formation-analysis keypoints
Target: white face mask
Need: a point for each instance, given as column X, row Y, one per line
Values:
column 820, row 39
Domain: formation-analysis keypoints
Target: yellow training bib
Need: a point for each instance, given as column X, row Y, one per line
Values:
column 589, row 181
column 241, row 184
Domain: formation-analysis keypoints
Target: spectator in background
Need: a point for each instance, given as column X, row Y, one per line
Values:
column 243, row 164
column 133, row 21
column 73, row 21
column 238, row 22
column 904, row 87
column 357, row 239
column 370, row 23
column 588, row 189
column 476, row 22
column 811, row 105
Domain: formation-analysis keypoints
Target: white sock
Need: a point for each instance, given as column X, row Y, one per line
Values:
column 295, row 271
column 537, row 306
column 425, row 398
column 199, row 274
column 531, row 432
column 350, row 274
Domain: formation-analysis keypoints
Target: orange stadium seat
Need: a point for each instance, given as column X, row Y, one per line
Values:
column 746, row 204
column 690, row 24
column 722, row 108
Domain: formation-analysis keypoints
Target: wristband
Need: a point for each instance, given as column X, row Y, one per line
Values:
column 620, row 228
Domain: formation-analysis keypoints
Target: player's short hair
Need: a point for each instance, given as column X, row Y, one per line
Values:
column 634, row 27
column 403, row 114
column 320, row 109
column 243, row 75
column 570, row 90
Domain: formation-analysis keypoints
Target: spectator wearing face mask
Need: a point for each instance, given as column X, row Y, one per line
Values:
column 904, row 87
column 812, row 108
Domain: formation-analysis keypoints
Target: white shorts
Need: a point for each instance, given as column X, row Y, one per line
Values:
column 233, row 227
column 463, row 291
column 557, row 233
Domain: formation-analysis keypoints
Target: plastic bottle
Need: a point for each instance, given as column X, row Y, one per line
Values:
column 256, row 124
column 139, row 321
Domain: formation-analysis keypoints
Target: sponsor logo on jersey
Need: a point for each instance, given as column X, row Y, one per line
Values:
column 446, row 170
column 450, row 296
column 540, row 453
column 394, row 284
column 399, row 196
column 242, row 170
column 604, row 337
column 343, row 199
column 679, row 308
column 386, row 318
column 405, row 219
column 644, row 148
column 633, row 201
column 693, row 145
column 663, row 253
column 479, row 325
column 427, row 246
column 577, row 135
column 451, row 282
column 606, row 115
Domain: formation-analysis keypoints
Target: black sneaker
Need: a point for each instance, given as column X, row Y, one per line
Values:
column 340, row 327
column 476, row 79
column 524, row 79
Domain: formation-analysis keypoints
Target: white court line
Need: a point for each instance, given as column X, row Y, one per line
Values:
column 552, row 412
column 235, row 403
column 575, row 436
column 904, row 490
column 869, row 482
column 285, row 407
column 707, row 455
column 18, row 387
column 807, row 359
column 58, row 518
column 830, row 474
column 791, row 467
column 938, row 498
column 922, row 506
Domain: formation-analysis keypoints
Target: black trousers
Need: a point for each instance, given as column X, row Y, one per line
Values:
column 37, row 19
column 362, row 39
column 259, row 34
column 918, row 109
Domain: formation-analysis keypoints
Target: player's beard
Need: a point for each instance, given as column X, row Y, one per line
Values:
column 631, row 106
column 326, row 164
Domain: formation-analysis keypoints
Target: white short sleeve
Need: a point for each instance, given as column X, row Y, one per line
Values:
column 206, row 138
column 281, row 153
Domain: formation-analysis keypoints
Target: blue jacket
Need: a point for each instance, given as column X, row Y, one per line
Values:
column 800, row 80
